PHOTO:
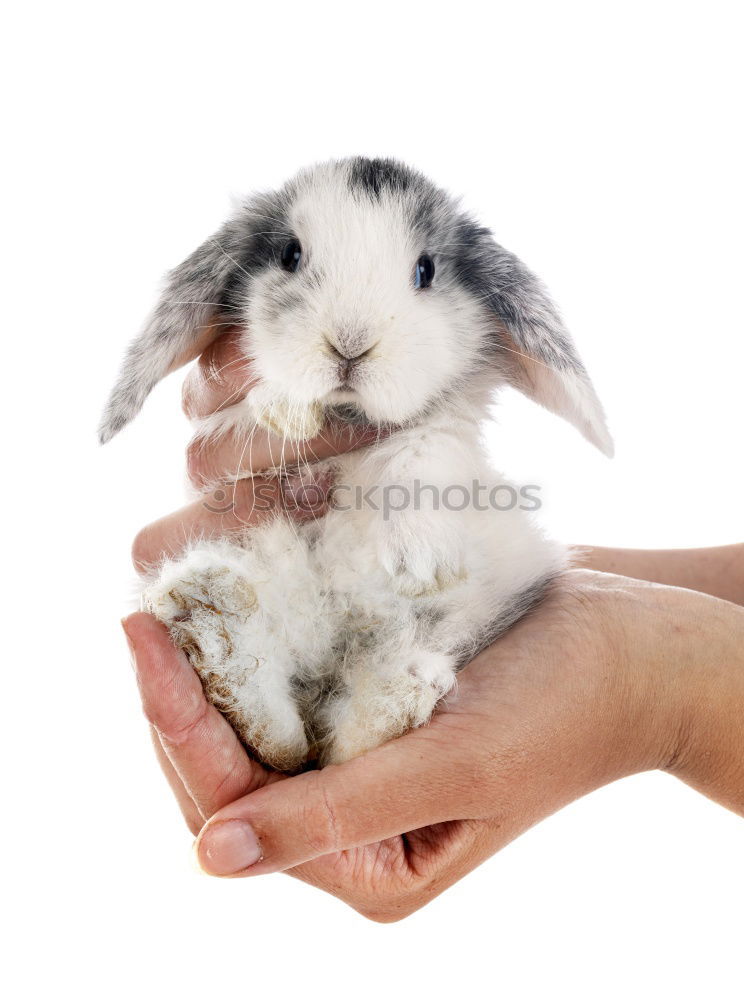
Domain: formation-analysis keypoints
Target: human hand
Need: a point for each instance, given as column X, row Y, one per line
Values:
column 607, row 677
column 595, row 684
column 223, row 468
column 221, row 379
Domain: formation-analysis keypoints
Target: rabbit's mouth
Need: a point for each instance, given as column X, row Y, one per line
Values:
column 350, row 413
column 355, row 416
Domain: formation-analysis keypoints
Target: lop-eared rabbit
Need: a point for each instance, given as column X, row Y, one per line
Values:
column 365, row 294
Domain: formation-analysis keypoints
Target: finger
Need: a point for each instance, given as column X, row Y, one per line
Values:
column 221, row 377
column 194, row 819
column 390, row 880
column 198, row 741
column 224, row 511
column 231, row 455
column 229, row 509
column 401, row 786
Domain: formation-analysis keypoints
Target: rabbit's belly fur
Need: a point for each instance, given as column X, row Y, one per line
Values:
column 330, row 637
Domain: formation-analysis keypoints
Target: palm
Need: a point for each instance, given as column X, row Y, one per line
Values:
column 512, row 706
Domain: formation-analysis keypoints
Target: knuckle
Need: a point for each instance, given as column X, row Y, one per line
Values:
column 320, row 819
column 193, row 824
column 253, row 498
column 206, row 376
column 392, row 909
column 176, row 725
column 180, row 729
column 198, row 464
column 189, row 396
column 208, row 370
column 221, row 374
column 144, row 550
column 173, row 703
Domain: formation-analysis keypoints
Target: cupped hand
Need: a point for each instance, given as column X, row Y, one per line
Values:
column 607, row 677
column 574, row 696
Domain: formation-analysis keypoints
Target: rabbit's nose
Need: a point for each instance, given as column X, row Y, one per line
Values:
column 347, row 361
column 347, row 356
column 350, row 340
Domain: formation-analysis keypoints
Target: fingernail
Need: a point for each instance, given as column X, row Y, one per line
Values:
column 228, row 847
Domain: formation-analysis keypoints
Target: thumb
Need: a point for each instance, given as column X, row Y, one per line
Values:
column 399, row 787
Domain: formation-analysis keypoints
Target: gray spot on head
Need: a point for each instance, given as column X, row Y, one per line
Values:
column 429, row 210
column 377, row 176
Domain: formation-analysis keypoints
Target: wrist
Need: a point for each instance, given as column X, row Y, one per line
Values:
column 709, row 752
column 669, row 656
column 649, row 639
column 684, row 671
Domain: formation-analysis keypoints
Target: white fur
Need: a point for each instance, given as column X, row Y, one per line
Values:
column 338, row 602
column 331, row 636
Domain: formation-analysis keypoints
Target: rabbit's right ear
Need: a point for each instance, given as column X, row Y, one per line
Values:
column 194, row 297
column 532, row 347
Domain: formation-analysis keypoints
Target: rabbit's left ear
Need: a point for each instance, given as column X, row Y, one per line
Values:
column 532, row 346
column 183, row 323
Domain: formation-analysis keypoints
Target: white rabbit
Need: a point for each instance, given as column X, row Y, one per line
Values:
column 366, row 294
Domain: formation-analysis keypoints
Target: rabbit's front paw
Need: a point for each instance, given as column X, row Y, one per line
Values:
column 286, row 419
column 417, row 570
column 410, row 583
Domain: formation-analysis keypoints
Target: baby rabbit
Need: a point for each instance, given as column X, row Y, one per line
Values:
column 367, row 295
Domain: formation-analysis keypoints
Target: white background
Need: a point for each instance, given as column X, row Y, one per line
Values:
column 601, row 142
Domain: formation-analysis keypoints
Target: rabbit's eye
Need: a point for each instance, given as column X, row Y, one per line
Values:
column 424, row 271
column 291, row 255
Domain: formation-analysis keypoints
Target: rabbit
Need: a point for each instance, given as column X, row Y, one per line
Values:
column 367, row 295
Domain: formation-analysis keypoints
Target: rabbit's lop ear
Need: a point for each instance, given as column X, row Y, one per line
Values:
column 194, row 296
column 535, row 349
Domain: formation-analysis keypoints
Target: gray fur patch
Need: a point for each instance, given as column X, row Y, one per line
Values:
column 374, row 177
column 519, row 605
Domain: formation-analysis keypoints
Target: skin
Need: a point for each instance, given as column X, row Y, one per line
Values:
column 610, row 676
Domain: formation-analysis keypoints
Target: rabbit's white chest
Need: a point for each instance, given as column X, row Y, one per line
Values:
column 330, row 638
